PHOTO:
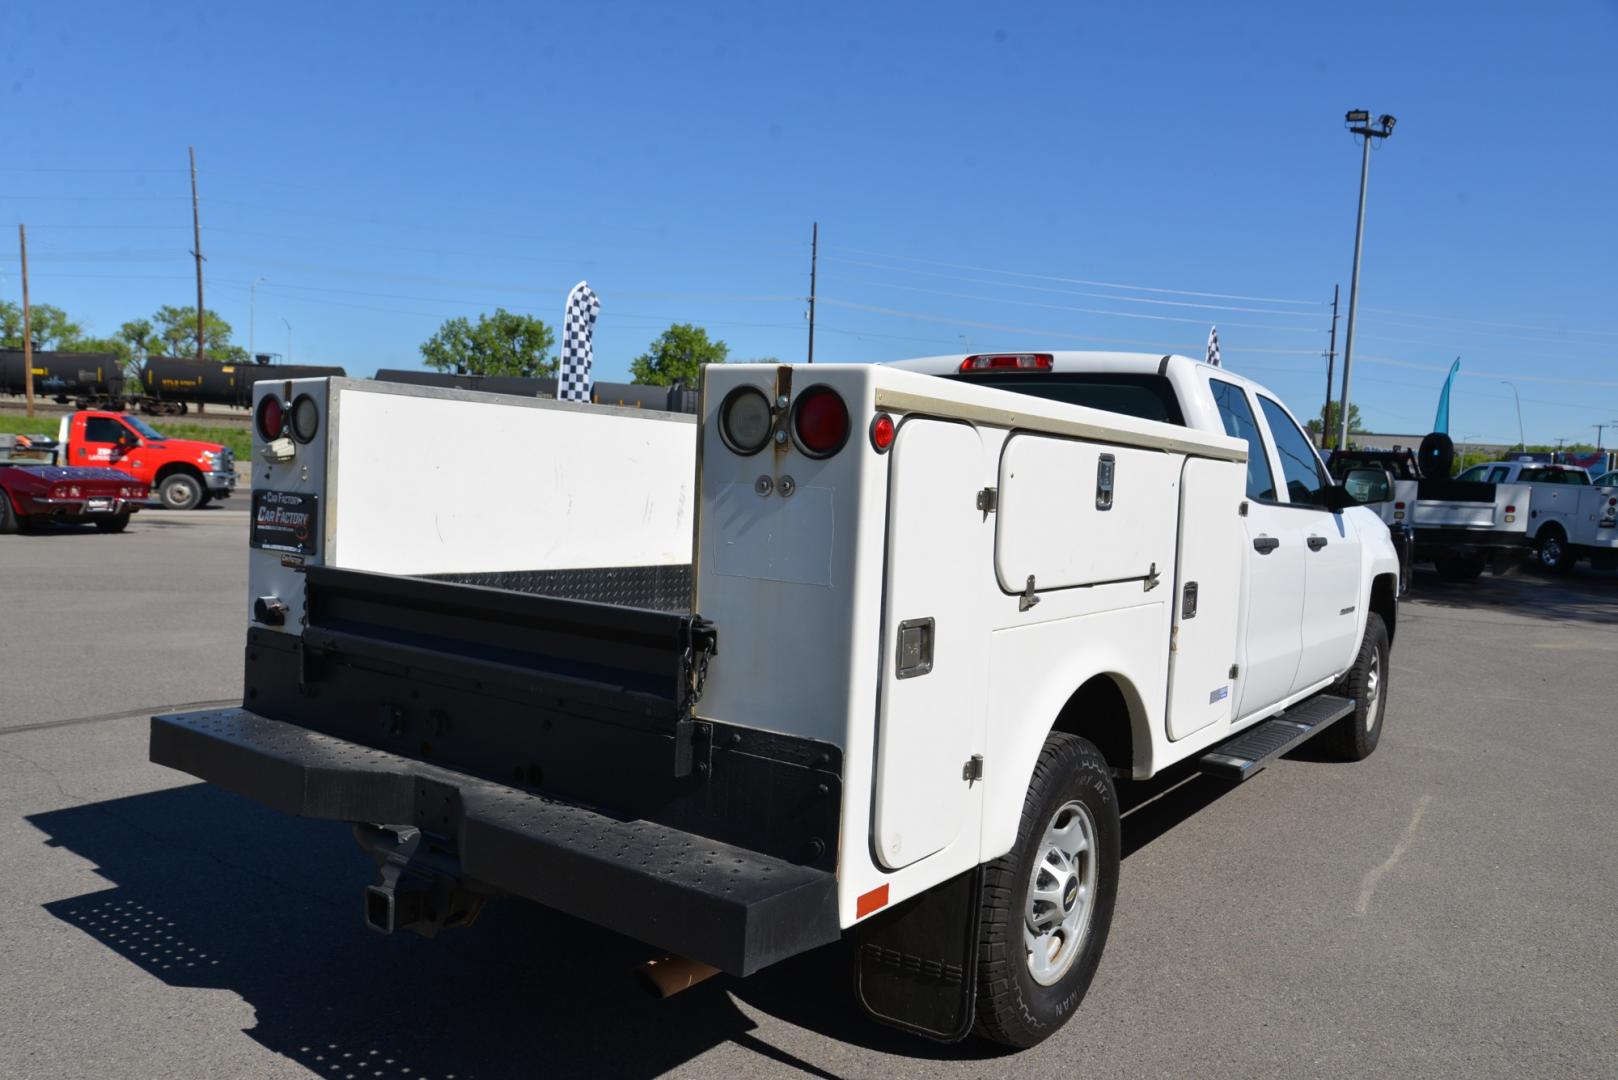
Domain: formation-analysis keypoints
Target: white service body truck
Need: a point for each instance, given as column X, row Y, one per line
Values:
column 860, row 650
column 1570, row 519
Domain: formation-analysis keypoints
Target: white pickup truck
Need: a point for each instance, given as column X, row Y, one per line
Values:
column 859, row 651
column 1570, row 519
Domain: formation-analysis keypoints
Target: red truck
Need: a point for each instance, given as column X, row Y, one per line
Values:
column 35, row 492
column 183, row 473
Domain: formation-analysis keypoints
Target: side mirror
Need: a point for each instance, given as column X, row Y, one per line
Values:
column 1367, row 485
column 1338, row 498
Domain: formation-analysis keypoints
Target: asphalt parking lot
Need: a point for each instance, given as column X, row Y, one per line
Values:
column 1442, row 909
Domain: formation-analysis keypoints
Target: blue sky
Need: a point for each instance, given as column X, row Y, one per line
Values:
column 1063, row 175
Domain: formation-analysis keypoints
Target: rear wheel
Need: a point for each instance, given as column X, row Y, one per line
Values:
column 114, row 524
column 1355, row 736
column 8, row 516
column 1047, row 903
column 180, row 491
column 1554, row 553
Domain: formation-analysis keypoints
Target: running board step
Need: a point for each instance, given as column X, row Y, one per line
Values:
column 1262, row 743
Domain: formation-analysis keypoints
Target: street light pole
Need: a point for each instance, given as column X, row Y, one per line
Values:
column 1359, row 121
column 1522, row 444
column 289, row 340
column 252, row 318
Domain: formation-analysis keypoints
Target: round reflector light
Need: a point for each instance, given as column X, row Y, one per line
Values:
column 305, row 418
column 820, row 422
column 745, row 420
column 882, row 432
column 270, row 418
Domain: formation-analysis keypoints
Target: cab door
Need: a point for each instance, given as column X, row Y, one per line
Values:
column 1331, row 553
column 931, row 715
column 104, row 443
column 1271, row 630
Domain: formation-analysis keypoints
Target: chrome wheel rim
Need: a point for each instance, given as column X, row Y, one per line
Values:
column 1550, row 552
column 1373, row 689
column 1061, row 893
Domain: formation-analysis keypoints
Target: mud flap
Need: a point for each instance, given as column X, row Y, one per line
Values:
column 916, row 966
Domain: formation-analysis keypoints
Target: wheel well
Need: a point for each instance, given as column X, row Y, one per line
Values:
column 1384, row 600
column 1552, row 526
column 176, row 467
column 1100, row 712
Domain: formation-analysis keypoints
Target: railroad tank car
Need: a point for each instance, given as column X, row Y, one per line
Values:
column 65, row 377
column 629, row 395
column 173, row 383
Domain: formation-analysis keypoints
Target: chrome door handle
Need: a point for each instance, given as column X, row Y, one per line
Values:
column 1265, row 544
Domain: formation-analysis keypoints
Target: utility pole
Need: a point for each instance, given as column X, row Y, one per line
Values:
column 1599, row 428
column 27, row 325
column 1522, row 443
column 252, row 319
column 289, row 340
column 814, row 256
column 196, row 235
column 1359, row 121
column 1331, row 357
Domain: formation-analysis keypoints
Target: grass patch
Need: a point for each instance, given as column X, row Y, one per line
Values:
column 239, row 439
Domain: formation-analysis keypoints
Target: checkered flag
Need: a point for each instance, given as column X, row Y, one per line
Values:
column 578, row 328
column 1213, row 345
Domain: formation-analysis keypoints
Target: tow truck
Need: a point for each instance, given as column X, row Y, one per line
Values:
column 859, row 652
column 183, row 473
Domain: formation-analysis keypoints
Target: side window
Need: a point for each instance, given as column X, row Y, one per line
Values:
column 1237, row 416
column 1305, row 478
column 1474, row 474
column 103, row 429
column 1498, row 474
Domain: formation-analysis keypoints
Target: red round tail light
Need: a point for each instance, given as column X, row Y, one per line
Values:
column 882, row 432
column 820, row 422
column 270, row 418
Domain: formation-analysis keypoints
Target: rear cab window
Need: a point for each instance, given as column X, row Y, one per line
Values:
column 1148, row 397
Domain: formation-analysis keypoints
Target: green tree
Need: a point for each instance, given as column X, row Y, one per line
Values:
column 140, row 337
column 176, row 334
column 504, row 343
column 678, row 356
column 50, row 326
column 1331, row 412
column 116, row 346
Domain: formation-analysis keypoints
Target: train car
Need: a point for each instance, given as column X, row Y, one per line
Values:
column 88, row 380
column 173, row 383
column 627, row 395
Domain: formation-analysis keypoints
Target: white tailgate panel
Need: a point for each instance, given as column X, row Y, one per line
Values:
column 1211, row 538
column 1048, row 523
column 929, row 722
column 441, row 485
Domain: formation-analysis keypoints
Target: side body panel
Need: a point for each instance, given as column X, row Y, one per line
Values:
column 933, row 703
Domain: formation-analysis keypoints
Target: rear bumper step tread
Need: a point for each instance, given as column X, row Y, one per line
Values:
column 710, row 901
column 1256, row 747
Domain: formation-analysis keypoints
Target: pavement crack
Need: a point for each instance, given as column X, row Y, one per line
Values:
column 56, row 781
column 1374, row 875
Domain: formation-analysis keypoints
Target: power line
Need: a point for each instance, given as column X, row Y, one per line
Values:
column 1083, row 281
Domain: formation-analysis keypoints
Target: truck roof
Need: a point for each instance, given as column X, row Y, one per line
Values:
column 1182, row 373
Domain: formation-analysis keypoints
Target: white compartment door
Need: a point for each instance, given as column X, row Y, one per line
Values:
column 931, row 715
column 1207, row 601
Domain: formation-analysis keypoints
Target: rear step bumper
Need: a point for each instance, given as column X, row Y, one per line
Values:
column 1257, row 746
column 725, row 905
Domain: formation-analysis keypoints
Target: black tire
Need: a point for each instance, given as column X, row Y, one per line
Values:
column 8, row 516
column 1458, row 568
column 1552, row 548
column 180, row 491
column 1013, row 1008
column 1354, row 737
column 115, row 524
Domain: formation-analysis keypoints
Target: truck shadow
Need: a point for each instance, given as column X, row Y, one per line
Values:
column 212, row 891
column 1586, row 595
